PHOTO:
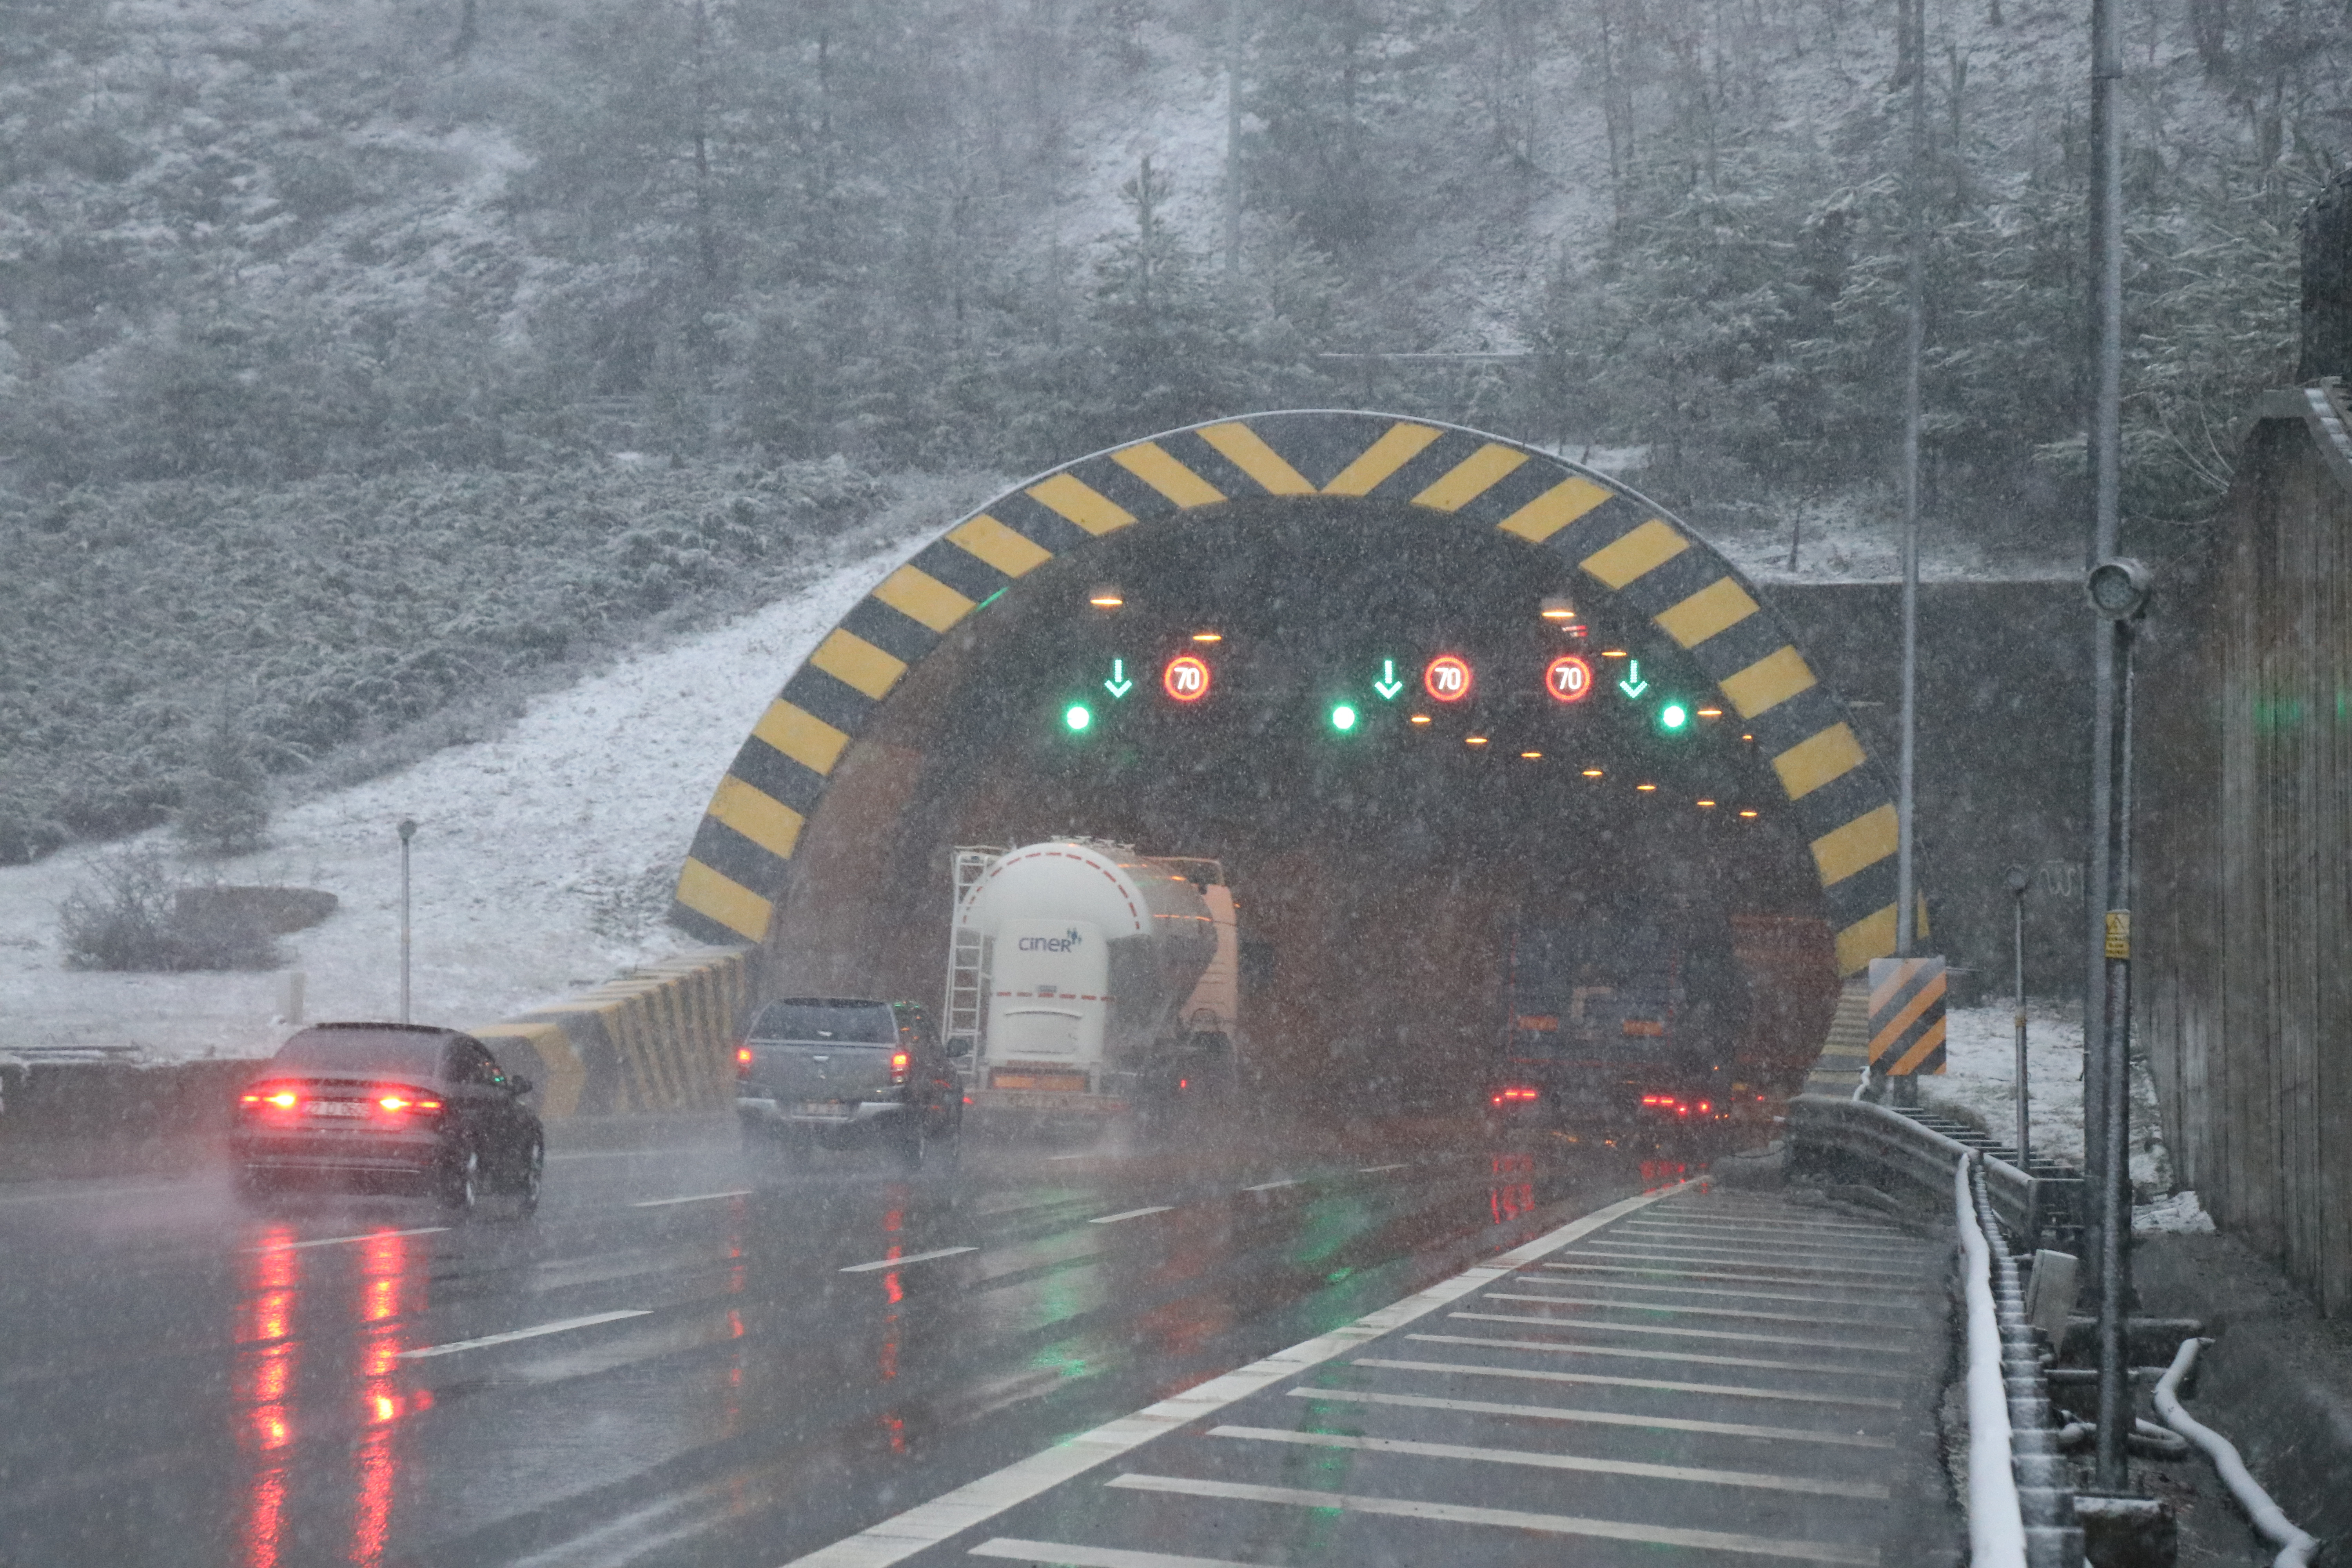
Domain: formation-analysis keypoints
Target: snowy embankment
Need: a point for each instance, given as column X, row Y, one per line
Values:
column 542, row 862
column 1979, row 1084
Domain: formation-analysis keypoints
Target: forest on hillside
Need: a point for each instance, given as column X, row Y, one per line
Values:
column 248, row 244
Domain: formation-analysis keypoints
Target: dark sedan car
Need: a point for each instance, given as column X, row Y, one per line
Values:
column 388, row 1108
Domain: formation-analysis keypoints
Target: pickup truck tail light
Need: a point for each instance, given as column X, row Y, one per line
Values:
column 898, row 1066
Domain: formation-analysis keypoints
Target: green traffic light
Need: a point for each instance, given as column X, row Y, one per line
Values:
column 1343, row 718
column 1079, row 718
column 1674, row 716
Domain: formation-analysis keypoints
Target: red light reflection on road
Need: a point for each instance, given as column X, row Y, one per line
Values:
column 388, row 1293
column 261, row 1383
column 1663, row 1173
column 1509, row 1198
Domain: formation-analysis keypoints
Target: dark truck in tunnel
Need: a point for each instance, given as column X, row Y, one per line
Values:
column 1614, row 1026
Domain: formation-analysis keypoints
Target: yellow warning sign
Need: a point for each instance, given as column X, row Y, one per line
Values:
column 2118, row 933
column 1906, row 1016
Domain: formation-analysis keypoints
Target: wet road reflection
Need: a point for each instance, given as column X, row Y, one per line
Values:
column 629, row 1373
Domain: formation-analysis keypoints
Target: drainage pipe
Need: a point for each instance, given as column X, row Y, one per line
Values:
column 2294, row 1547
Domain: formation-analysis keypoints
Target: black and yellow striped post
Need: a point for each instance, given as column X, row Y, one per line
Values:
column 1906, row 1016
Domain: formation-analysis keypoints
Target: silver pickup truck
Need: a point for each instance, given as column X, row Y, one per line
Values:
column 836, row 1071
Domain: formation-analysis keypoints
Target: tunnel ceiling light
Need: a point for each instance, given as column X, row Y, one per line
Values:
column 1531, row 756
column 1558, row 610
column 1419, row 719
column 1747, row 811
column 1107, row 599
column 1645, row 788
column 1592, row 773
column 1612, row 653
column 1710, row 712
column 1747, row 737
column 1208, row 637
column 1707, row 806
column 1473, row 740
column 1078, row 718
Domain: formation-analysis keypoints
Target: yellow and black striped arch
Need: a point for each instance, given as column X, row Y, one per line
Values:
column 1655, row 566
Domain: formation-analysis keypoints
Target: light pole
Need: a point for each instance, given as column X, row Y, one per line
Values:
column 2019, row 879
column 2118, row 590
column 407, row 832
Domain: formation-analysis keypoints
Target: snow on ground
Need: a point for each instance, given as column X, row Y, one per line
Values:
column 1979, row 1082
column 542, row 862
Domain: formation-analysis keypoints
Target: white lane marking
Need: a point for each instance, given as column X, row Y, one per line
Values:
column 94, row 1189
column 340, row 1240
column 911, row 1257
column 563, row 1326
column 1132, row 1214
column 1814, row 1320
column 1563, row 1347
column 1796, row 1238
column 1601, row 1380
column 1679, row 1274
column 1735, row 1258
column 1595, row 1417
column 927, row 1524
column 1376, row 1170
column 605, row 1153
column 691, row 1198
column 1850, row 1346
column 1834, row 1293
column 1508, row 1519
column 1269, row 1186
column 1756, row 1479
column 1081, row 1154
column 1062, row 1552
column 1815, row 1228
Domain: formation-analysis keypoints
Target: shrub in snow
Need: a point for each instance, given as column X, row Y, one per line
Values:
column 130, row 916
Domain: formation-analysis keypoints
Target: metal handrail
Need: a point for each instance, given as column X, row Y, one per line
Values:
column 1922, row 1155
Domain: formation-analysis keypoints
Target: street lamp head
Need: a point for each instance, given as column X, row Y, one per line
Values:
column 407, row 830
column 2119, row 588
column 2019, row 879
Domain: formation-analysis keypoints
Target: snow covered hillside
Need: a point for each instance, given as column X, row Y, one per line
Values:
column 542, row 862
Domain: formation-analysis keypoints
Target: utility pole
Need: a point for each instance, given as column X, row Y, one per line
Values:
column 2118, row 590
column 2104, row 427
column 1914, row 305
column 407, row 832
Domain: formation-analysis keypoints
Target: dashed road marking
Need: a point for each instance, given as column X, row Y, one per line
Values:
column 1270, row 1186
column 1814, row 1320
column 1703, row 1290
column 1850, row 1346
column 1062, row 1552
column 341, row 1240
column 911, row 1257
column 1565, row 1347
column 1376, row 1170
column 1597, row 1417
column 1505, row 1517
column 1601, row 1380
column 562, row 1326
column 1132, row 1214
column 691, row 1198
column 1755, row 1478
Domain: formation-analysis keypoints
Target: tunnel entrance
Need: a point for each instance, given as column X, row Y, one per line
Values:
column 1411, row 732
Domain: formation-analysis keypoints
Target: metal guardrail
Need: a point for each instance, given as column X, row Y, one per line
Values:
column 1826, row 1129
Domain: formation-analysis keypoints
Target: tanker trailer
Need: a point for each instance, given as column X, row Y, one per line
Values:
column 1107, row 981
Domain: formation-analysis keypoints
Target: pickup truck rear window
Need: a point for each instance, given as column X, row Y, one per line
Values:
column 837, row 1023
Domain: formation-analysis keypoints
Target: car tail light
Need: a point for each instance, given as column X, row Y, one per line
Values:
column 742, row 1061
column 898, row 1066
column 266, row 1098
column 1704, row 1108
column 1515, row 1094
column 397, row 1103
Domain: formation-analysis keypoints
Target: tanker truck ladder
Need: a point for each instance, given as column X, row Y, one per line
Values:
column 967, row 997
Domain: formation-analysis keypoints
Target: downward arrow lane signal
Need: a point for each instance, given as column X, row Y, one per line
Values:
column 1387, row 685
column 1633, row 685
column 1119, row 685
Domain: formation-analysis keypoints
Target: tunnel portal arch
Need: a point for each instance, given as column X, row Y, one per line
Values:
column 1621, row 547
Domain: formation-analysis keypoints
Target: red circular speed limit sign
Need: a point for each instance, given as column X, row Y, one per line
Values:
column 1186, row 678
column 1568, row 678
column 1447, row 679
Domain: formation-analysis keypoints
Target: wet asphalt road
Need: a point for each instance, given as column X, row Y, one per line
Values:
column 675, row 1362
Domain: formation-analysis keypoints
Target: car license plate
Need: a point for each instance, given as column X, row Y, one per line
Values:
column 338, row 1108
column 820, row 1107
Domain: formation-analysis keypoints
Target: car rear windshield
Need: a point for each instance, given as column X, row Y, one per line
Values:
column 841, row 1023
column 363, row 1051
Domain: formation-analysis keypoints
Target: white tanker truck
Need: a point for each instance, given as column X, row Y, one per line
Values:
column 1086, row 980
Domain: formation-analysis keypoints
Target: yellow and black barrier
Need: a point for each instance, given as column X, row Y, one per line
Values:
column 655, row 1039
column 1906, row 1016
